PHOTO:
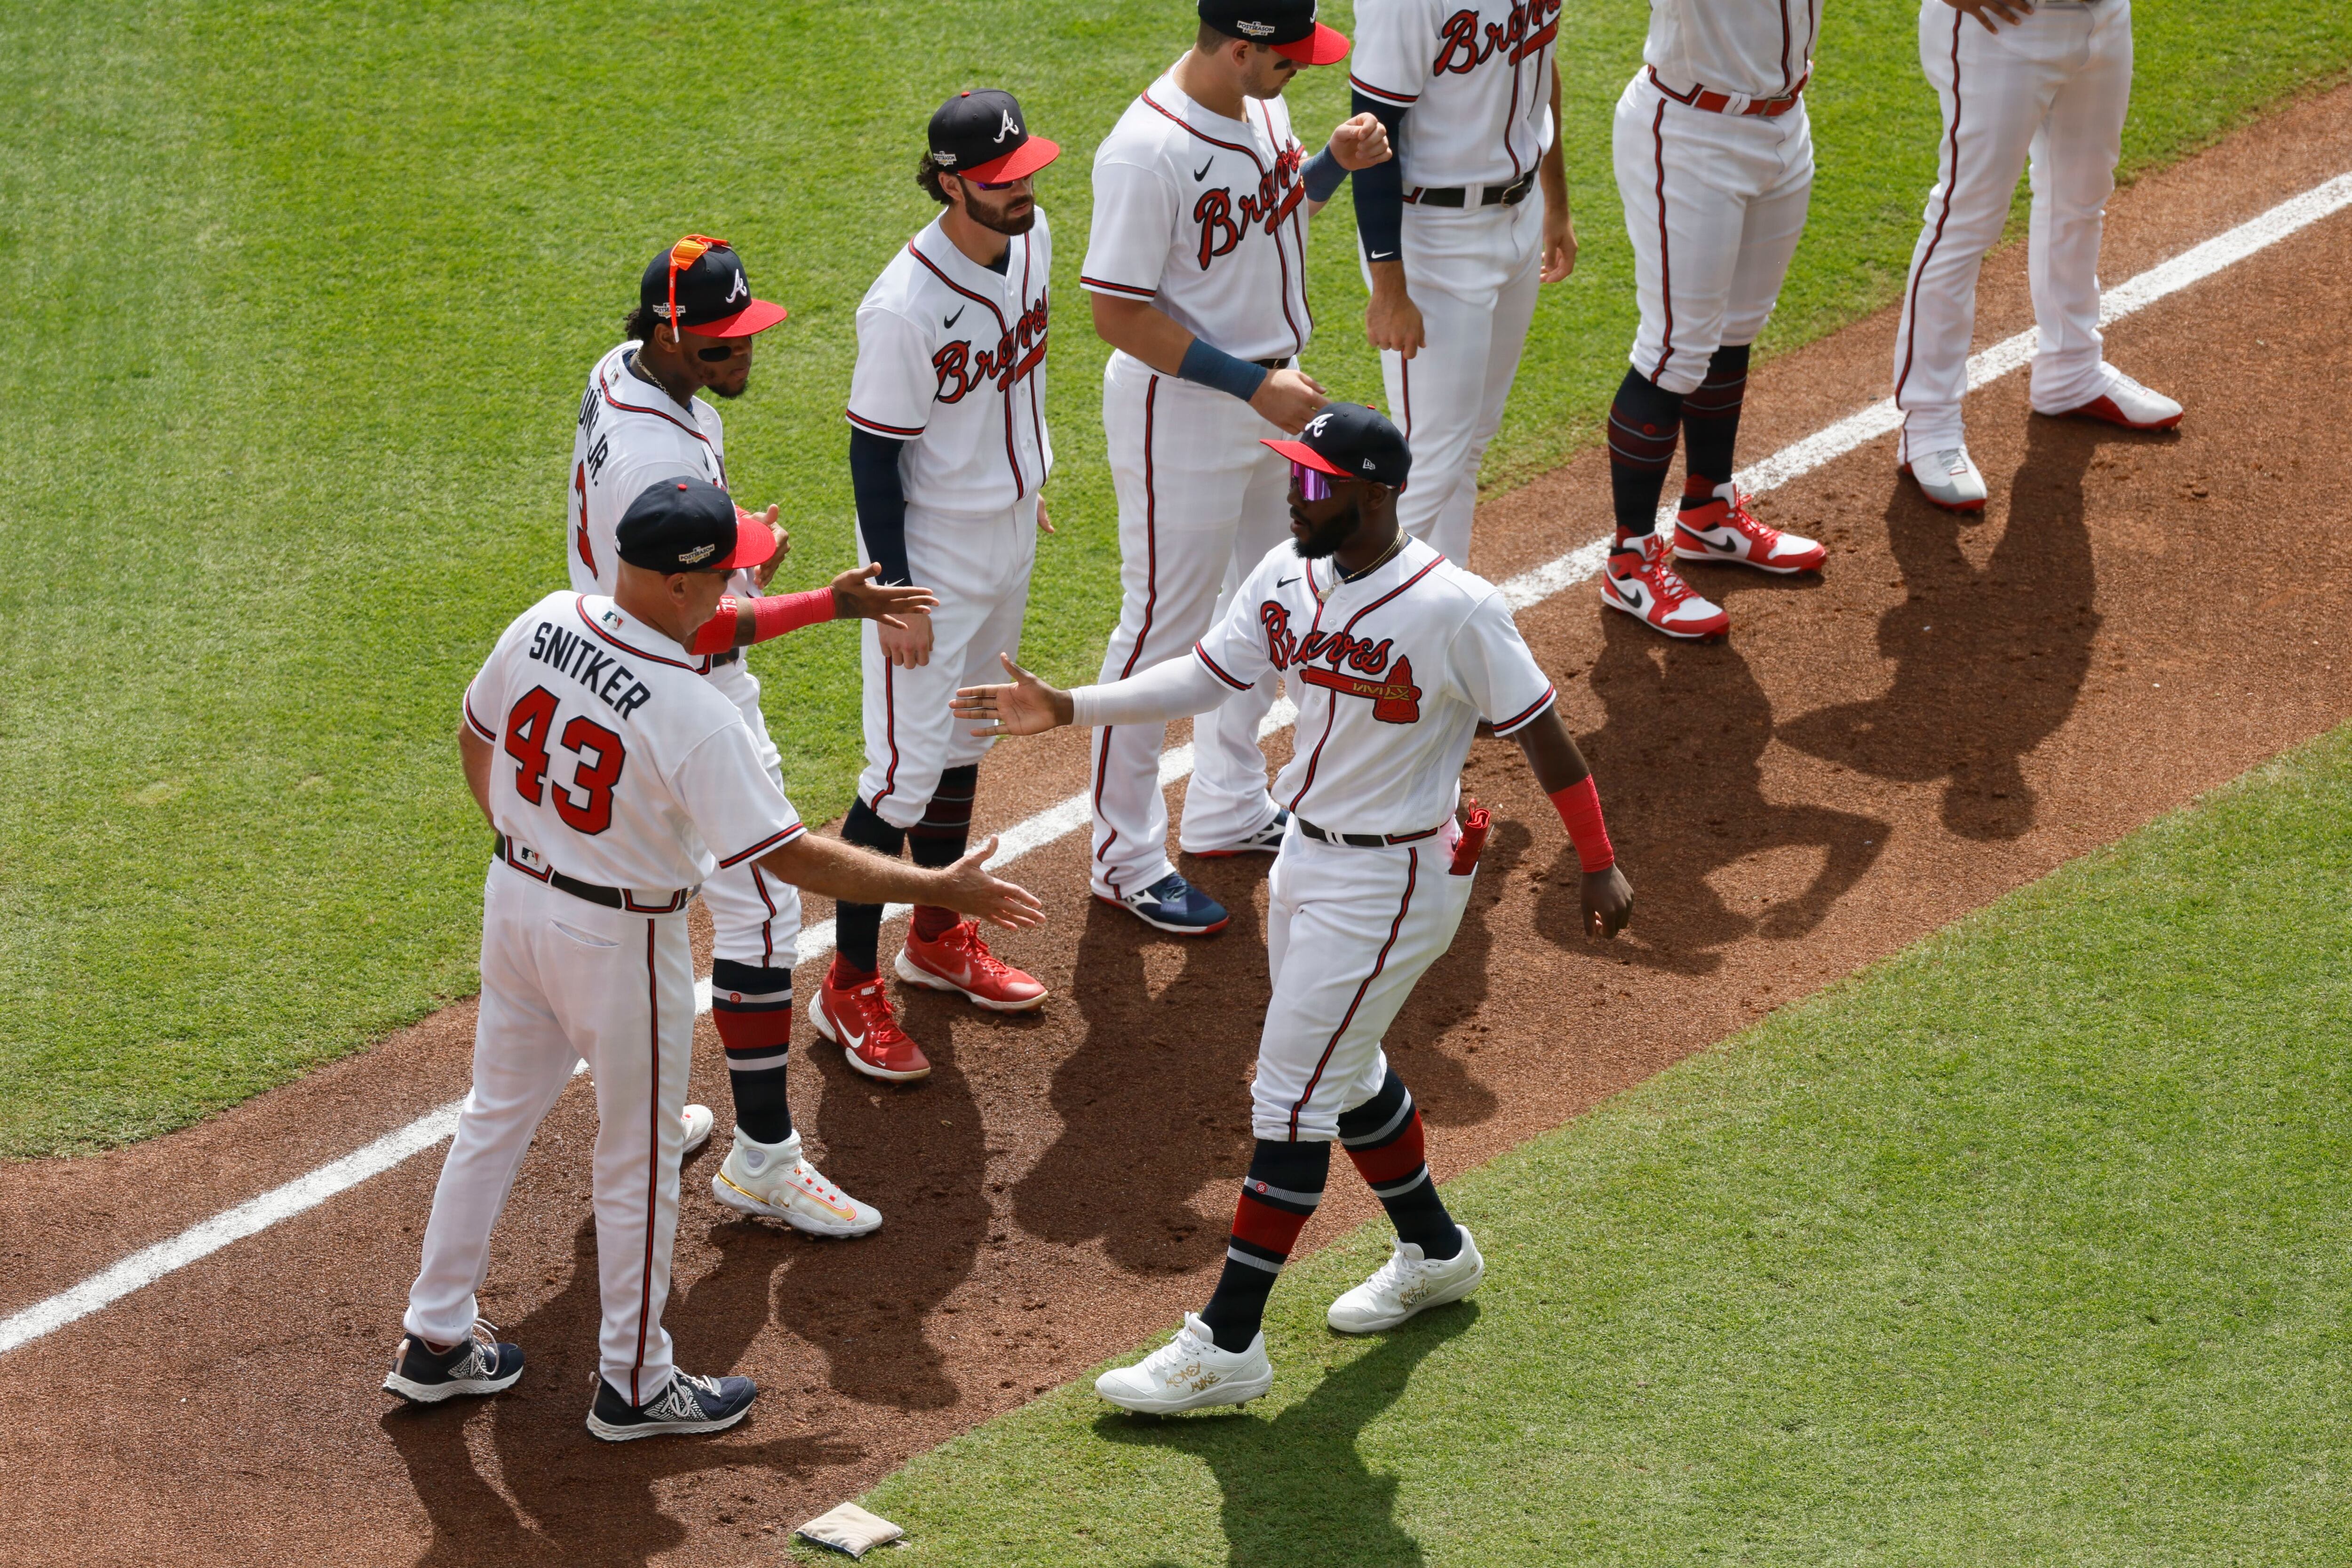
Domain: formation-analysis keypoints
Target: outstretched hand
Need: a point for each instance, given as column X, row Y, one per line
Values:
column 967, row 887
column 1608, row 903
column 856, row 596
column 1027, row 707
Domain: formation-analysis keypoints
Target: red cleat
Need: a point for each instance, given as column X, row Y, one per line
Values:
column 1723, row 529
column 958, row 961
column 859, row 1019
column 1641, row 579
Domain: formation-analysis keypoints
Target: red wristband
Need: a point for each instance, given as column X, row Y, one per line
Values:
column 1579, row 812
column 771, row 617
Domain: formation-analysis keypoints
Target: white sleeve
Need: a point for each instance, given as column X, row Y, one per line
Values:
column 1497, row 672
column 731, row 800
column 1177, row 689
column 1393, row 42
column 1134, row 224
column 894, row 386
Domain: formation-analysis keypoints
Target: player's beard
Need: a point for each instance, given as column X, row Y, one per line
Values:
column 1324, row 538
column 1020, row 223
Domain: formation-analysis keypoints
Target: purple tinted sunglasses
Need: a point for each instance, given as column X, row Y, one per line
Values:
column 1313, row 484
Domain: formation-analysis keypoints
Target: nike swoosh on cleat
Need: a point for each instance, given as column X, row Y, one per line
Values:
column 1202, row 172
column 951, row 320
column 1632, row 596
column 847, row 1038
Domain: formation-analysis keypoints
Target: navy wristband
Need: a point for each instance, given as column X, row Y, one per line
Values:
column 1214, row 367
column 1322, row 175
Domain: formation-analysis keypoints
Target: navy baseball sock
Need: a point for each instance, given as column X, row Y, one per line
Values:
column 1382, row 1136
column 753, row 1009
column 939, row 839
column 1283, row 1185
column 857, row 928
column 1711, row 422
column 1643, row 423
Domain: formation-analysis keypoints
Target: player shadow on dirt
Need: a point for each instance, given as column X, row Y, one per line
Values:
column 1680, row 752
column 577, row 1500
column 1991, row 661
column 1298, row 1481
column 1178, row 1064
column 917, row 1153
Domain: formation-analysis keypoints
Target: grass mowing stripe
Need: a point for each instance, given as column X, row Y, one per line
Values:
column 2026, row 1245
column 305, row 296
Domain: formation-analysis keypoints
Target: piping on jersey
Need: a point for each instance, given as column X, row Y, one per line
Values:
column 715, row 456
column 1012, row 460
column 1411, row 878
column 580, row 603
column 1951, row 179
column 1332, row 710
column 1282, row 260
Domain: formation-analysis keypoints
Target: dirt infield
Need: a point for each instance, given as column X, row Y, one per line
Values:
column 1954, row 708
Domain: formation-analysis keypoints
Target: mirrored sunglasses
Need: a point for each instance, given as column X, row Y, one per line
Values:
column 1313, row 484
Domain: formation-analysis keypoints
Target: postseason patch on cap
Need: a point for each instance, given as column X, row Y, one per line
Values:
column 1287, row 26
column 983, row 135
column 686, row 524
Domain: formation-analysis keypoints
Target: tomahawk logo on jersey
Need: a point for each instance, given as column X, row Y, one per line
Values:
column 618, row 763
column 1476, row 76
column 1393, row 673
column 1206, row 217
column 954, row 352
column 629, row 433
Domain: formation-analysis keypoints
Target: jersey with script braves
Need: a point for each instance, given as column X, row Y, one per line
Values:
column 1391, row 673
column 618, row 763
column 1754, row 49
column 631, row 433
column 951, row 360
column 1477, row 77
column 1206, row 217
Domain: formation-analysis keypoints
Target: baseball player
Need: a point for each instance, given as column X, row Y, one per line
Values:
column 640, row 421
column 1714, row 164
column 2049, row 83
column 1397, row 656
column 948, row 453
column 617, row 776
column 1452, row 247
column 1197, row 270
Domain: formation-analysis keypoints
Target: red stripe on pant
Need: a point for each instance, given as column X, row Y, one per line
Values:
column 1911, row 304
column 652, row 1160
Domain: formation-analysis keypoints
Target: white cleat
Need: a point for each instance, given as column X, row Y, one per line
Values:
column 698, row 1123
column 772, row 1180
column 1189, row 1372
column 1406, row 1284
column 2125, row 402
column 1950, row 479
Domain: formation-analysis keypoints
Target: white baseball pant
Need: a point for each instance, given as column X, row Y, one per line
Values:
column 2051, row 91
column 1713, row 204
column 1200, row 503
column 1364, row 924
column 1472, row 273
column 564, row 979
column 754, row 918
column 980, row 566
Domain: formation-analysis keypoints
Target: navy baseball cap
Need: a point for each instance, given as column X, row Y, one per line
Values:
column 686, row 524
column 983, row 135
column 1288, row 27
column 698, row 284
column 1351, row 441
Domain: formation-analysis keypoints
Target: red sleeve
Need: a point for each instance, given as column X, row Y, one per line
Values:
column 771, row 617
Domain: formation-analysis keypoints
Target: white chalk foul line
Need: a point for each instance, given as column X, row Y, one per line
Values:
column 148, row 1265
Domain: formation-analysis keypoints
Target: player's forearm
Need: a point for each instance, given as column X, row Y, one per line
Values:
column 1179, row 688
column 1551, row 170
column 1561, row 771
column 881, row 494
column 1141, row 330
column 475, row 755
column 739, row 623
column 844, row 872
column 1380, row 195
column 1553, row 754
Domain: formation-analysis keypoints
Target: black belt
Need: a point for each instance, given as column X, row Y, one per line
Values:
column 1363, row 840
column 1508, row 196
column 611, row 898
column 1281, row 364
column 729, row 657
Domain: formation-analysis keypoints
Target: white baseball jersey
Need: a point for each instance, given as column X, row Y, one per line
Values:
column 629, row 433
column 951, row 360
column 1477, row 77
column 1206, row 217
column 1391, row 674
column 618, row 763
column 1755, row 48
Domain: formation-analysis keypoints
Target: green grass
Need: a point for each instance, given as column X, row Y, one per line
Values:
column 300, row 298
column 2026, row 1246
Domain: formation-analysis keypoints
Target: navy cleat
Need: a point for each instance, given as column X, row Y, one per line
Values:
column 479, row 1363
column 1173, row 904
column 686, row 1406
column 1266, row 840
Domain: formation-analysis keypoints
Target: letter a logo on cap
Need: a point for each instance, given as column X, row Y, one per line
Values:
column 1010, row 127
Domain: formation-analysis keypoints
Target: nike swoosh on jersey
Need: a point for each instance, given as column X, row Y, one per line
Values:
column 1202, row 172
column 951, row 320
column 1285, row 582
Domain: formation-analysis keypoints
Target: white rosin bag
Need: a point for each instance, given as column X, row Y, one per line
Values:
column 850, row 1529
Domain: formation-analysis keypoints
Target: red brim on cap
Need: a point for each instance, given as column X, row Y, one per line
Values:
column 754, row 540
column 1018, row 165
column 1300, row 452
column 1323, row 46
column 751, row 320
